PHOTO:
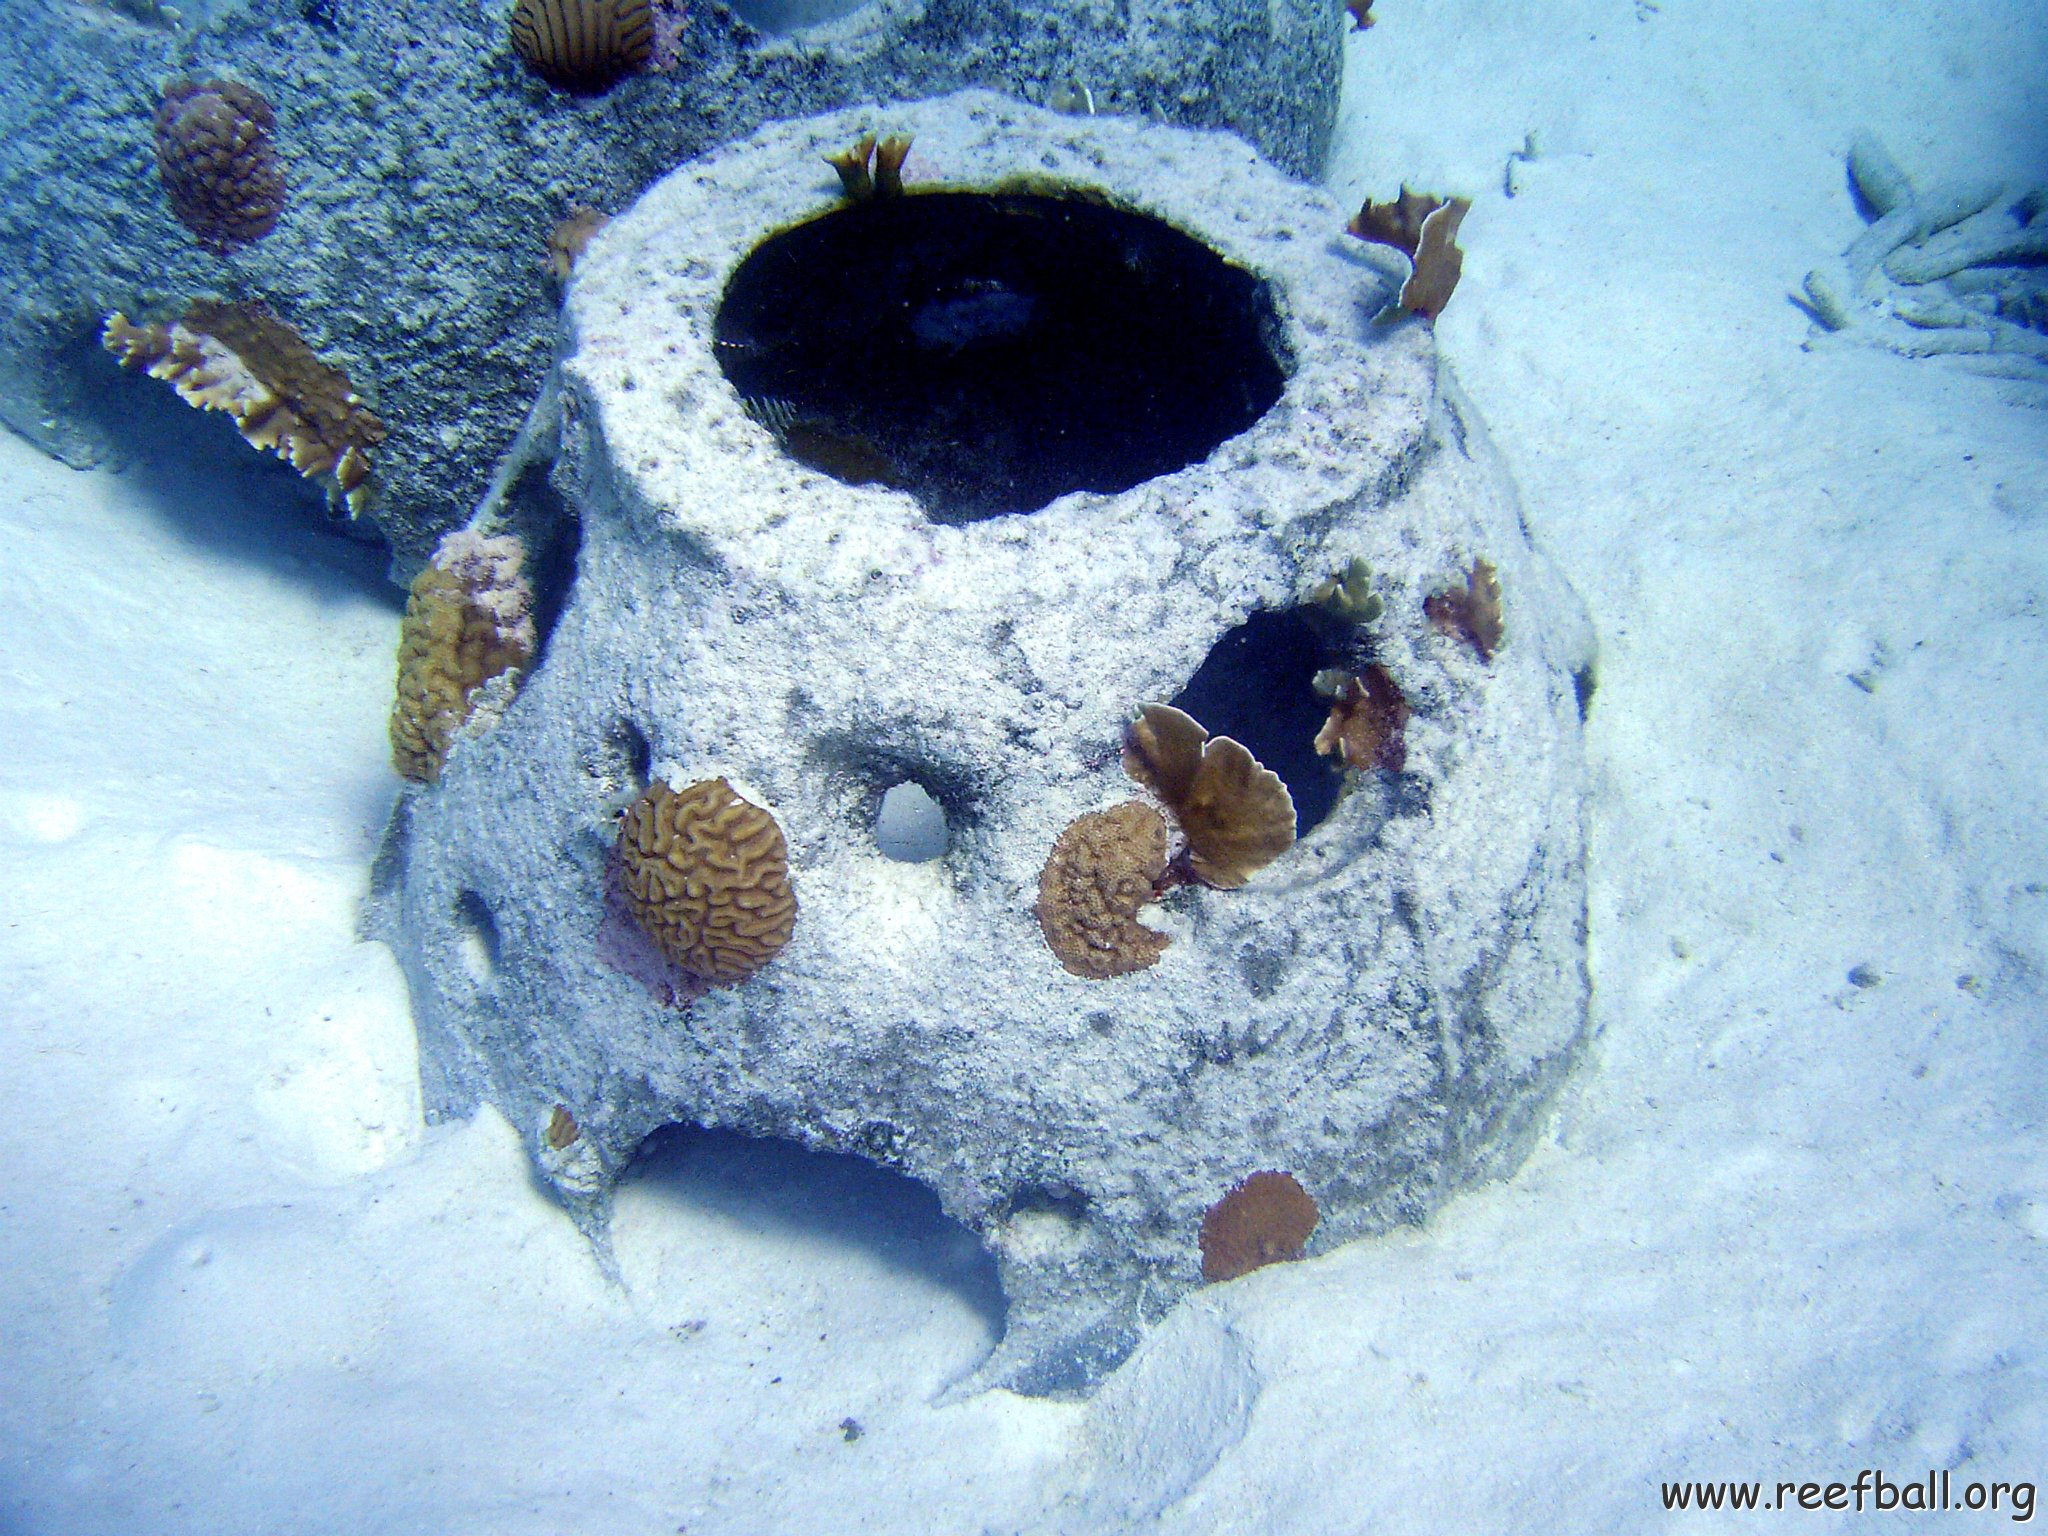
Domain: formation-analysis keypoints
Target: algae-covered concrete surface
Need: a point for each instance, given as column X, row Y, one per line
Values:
column 1788, row 1225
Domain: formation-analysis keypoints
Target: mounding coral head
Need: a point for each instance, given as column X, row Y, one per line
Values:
column 583, row 45
column 217, row 162
column 706, row 875
column 467, row 621
column 1236, row 815
column 1267, row 1218
column 1101, row 870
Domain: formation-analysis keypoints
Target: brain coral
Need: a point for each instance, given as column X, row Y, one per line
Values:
column 468, row 620
column 1100, row 871
column 706, row 874
column 218, row 166
column 1265, row 1219
column 583, row 45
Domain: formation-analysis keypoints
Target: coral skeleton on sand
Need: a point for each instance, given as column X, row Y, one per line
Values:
column 1953, row 271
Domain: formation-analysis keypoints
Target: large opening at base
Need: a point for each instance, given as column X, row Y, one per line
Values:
column 989, row 352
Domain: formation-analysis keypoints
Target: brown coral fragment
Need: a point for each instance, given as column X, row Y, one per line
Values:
column 218, row 166
column 1101, row 870
column 1438, row 261
column 583, row 45
column 1398, row 223
column 706, row 875
column 242, row 359
column 1360, row 12
column 1367, row 722
column 1236, row 815
column 1265, row 1219
column 467, row 620
column 889, row 157
column 1470, row 613
column 852, row 165
column 562, row 1128
column 567, row 240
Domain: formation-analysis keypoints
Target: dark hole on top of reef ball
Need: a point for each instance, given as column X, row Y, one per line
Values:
column 1257, row 686
column 989, row 352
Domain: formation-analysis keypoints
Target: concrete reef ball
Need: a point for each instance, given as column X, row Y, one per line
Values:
column 1079, row 1053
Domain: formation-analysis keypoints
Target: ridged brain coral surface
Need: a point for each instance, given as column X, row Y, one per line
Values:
column 583, row 45
column 218, row 165
column 1265, row 1219
column 1100, row 871
column 466, row 622
column 706, row 874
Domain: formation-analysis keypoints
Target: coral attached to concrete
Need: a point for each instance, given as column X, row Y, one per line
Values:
column 1956, row 270
column 1472, row 612
column 1236, row 815
column 583, row 45
column 1265, row 1219
column 217, row 162
column 468, row 620
column 566, row 241
column 1425, row 230
column 1348, row 596
column 242, row 359
column 706, row 874
column 1100, row 872
column 1368, row 717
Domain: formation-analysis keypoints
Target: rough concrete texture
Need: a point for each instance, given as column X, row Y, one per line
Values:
column 427, row 166
column 1383, row 1012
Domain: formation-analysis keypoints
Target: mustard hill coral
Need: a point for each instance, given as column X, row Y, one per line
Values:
column 1236, row 815
column 706, row 874
column 1101, row 870
column 467, row 620
column 218, row 165
column 1265, row 1219
column 242, row 359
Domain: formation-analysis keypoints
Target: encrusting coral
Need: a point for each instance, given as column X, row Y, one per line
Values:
column 467, row 620
column 1266, row 1218
column 1425, row 230
column 583, row 45
column 217, row 163
column 706, row 875
column 242, row 359
column 1101, row 870
column 1236, row 815
column 1472, row 612
column 1957, row 270
column 1368, row 717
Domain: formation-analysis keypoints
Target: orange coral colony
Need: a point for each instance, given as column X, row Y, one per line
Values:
column 1425, row 230
column 1470, row 613
column 1265, row 1219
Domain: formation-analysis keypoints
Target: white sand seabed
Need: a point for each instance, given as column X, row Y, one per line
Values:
column 1785, row 1225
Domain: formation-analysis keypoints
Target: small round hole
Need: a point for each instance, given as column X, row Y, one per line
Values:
column 910, row 827
column 476, row 938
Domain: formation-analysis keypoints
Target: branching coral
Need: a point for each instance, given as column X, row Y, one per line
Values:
column 242, row 359
column 1266, row 1218
column 1348, row 596
column 218, row 165
column 1956, row 270
column 583, row 45
column 467, row 621
column 886, row 180
column 1472, row 612
column 706, row 874
column 1236, row 815
column 1101, row 870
